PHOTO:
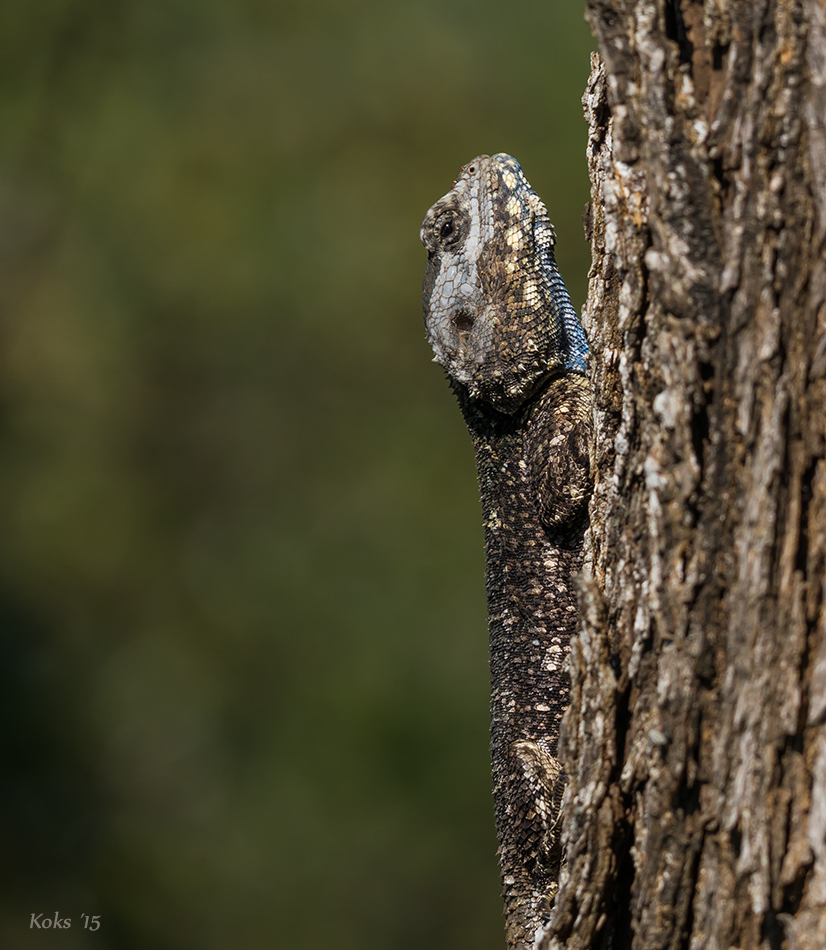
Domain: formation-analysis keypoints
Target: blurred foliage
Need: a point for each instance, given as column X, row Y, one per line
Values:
column 242, row 621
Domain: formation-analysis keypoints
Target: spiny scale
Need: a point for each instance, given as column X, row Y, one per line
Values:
column 500, row 321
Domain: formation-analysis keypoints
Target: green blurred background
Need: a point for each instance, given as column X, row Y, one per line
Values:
column 243, row 656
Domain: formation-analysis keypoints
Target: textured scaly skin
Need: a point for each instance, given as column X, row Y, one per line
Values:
column 500, row 321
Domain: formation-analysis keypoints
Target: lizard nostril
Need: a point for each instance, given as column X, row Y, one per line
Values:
column 463, row 320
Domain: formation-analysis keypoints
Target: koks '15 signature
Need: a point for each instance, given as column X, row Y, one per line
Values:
column 62, row 923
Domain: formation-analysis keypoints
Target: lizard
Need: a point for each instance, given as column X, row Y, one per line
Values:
column 501, row 323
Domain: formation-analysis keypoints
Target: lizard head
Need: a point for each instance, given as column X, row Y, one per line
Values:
column 492, row 294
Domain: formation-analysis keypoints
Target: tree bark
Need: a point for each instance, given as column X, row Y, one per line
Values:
column 695, row 743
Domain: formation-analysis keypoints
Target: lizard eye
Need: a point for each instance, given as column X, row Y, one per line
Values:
column 448, row 227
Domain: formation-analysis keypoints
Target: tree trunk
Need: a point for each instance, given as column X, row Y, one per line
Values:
column 695, row 815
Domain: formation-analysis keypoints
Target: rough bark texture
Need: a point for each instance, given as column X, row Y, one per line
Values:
column 695, row 744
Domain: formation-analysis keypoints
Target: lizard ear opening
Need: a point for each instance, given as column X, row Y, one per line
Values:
column 463, row 321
